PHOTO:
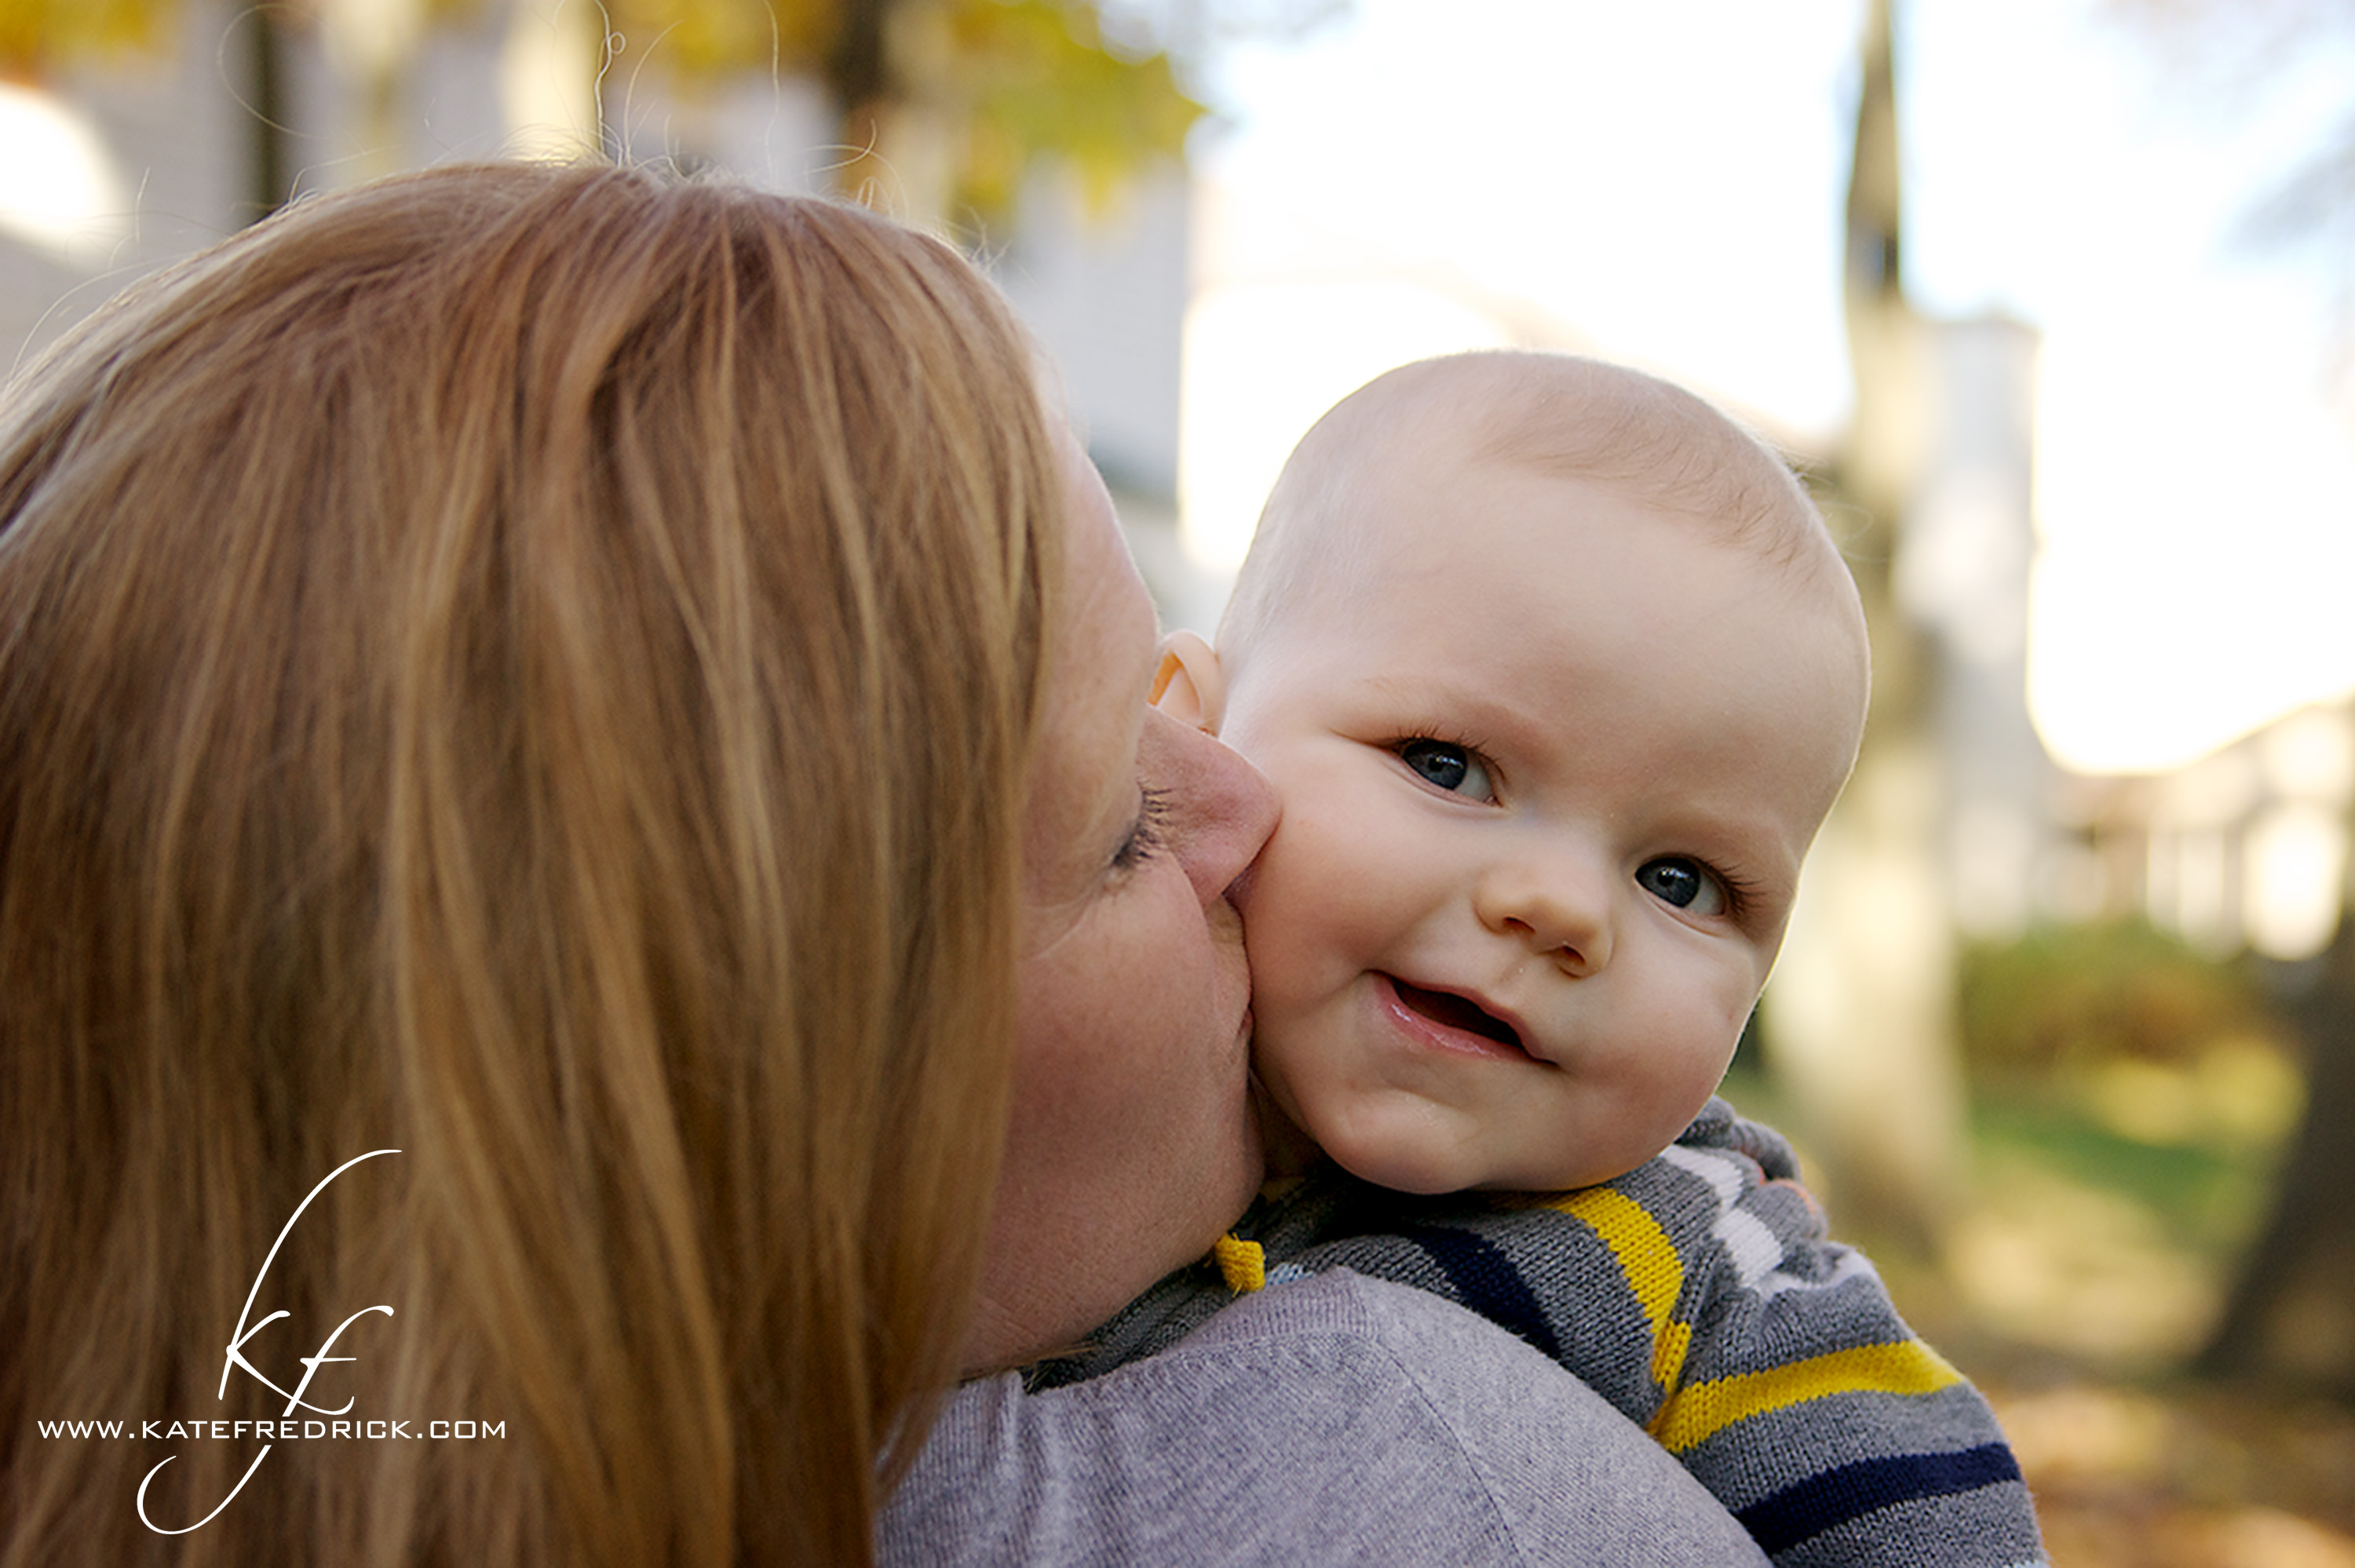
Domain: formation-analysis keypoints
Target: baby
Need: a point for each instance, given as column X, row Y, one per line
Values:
column 1557, row 671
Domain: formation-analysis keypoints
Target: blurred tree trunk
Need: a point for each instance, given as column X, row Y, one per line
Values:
column 2291, row 1318
column 863, row 86
column 269, row 160
column 1861, row 1014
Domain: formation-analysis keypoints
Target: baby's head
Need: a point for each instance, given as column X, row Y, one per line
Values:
column 1557, row 671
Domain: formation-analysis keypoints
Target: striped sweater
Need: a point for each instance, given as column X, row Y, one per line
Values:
column 1701, row 1295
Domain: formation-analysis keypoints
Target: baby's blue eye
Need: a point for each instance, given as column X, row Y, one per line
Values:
column 1674, row 880
column 1446, row 766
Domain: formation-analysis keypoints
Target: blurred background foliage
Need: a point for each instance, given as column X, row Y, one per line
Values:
column 2064, row 1002
column 2120, row 1059
column 37, row 32
column 1000, row 85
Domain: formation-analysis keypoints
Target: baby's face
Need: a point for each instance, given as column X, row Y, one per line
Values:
column 1549, row 765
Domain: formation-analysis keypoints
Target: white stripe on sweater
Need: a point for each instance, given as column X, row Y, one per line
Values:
column 1755, row 1251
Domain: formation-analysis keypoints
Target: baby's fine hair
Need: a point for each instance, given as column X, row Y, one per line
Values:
column 1564, row 415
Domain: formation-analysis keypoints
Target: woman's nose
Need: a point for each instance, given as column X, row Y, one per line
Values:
column 1557, row 903
column 1223, row 808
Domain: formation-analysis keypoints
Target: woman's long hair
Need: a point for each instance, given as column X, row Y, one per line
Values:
column 532, row 668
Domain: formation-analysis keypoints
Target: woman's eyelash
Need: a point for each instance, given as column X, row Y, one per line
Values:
column 1150, row 834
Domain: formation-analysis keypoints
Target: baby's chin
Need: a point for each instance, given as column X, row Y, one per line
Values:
column 1412, row 1148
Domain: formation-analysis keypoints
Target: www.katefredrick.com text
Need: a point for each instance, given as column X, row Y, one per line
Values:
column 287, row 1431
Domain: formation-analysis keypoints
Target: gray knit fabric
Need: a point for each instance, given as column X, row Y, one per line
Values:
column 1332, row 1420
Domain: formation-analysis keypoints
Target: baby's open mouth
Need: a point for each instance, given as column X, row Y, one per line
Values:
column 1457, row 1013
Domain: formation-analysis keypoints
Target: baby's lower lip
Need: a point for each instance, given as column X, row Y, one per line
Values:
column 1446, row 1022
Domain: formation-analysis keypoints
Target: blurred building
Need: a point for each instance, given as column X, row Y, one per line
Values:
column 114, row 167
column 2245, row 848
column 1965, row 558
column 1107, row 292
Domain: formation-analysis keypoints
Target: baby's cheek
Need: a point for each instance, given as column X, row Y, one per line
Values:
column 1290, row 939
column 1292, row 1026
column 1302, row 1083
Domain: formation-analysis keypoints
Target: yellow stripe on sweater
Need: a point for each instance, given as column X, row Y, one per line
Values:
column 1654, row 1273
column 1692, row 1415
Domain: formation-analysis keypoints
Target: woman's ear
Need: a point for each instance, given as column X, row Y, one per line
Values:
column 1188, row 686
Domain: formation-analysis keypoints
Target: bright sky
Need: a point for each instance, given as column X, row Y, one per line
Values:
column 1663, row 184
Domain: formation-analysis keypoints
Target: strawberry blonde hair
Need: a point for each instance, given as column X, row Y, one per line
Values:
column 532, row 668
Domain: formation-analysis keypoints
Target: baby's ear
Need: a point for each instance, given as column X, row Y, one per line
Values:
column 1188, row 686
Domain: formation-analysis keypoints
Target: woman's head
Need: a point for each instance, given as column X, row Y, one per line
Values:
column 533, row 669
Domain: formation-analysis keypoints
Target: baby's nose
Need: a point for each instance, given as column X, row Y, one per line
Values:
column 1558, row 905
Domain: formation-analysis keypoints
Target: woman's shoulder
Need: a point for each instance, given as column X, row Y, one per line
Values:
column 1332, row 1418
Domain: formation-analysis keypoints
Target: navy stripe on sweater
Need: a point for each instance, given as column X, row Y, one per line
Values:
column 1485, row 1280
column 1815, row 1505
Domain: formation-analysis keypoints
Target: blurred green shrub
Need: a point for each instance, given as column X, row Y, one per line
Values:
column 2122, row 1027
column 2062, row 999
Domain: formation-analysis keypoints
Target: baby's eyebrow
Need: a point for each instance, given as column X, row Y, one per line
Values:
column 1434, row 694
column 1400, row 686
